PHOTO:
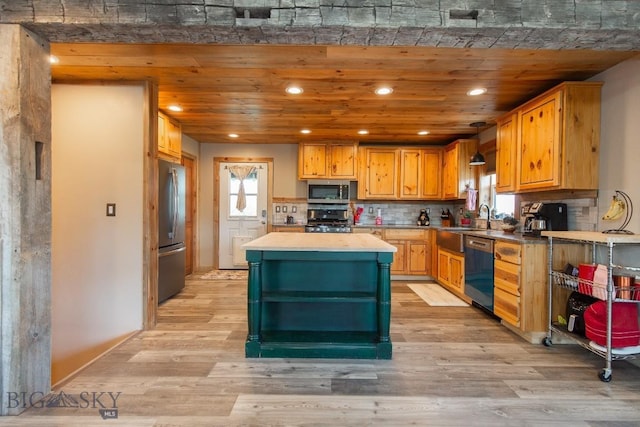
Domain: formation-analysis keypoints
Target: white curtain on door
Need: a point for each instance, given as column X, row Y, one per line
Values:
column 241, row 172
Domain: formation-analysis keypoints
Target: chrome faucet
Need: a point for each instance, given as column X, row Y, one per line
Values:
column 488, row 214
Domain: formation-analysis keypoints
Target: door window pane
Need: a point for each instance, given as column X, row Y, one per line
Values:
column 251, row 195
column 250, row 210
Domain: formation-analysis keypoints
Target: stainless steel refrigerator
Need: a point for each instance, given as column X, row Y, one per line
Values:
column 171, row 215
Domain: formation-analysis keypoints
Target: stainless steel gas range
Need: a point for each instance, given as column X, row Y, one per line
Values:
column 327, row 219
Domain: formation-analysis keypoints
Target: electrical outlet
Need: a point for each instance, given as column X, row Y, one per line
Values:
column 428, row 211
column 294, row 209
column 277, row 208
column 284, row 209
column 370, row 209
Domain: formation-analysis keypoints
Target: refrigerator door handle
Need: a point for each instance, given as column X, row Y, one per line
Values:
column 171, row 252
column 174, row 206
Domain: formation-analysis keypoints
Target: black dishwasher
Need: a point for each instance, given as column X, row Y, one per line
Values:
column 478, row 270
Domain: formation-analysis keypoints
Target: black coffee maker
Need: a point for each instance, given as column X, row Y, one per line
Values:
column 539, row 216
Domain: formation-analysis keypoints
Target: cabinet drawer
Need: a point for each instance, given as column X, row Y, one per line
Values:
column 506, row 306
column 509, row 252
column 506, row 276
column 405, row 234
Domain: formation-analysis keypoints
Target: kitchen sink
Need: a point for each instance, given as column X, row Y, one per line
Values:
column 450, row 240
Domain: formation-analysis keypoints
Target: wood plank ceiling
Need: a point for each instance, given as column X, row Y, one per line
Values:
column 227, row 89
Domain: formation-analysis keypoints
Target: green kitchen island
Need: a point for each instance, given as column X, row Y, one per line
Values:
column 319, row 295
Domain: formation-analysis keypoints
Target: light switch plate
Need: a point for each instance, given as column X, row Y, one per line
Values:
column 111, row 209
column 278, row 209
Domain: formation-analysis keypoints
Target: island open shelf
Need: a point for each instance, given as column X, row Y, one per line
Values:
column 319, row 295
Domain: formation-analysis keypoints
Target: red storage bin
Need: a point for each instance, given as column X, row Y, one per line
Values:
column 625, row 331
column 586, row 272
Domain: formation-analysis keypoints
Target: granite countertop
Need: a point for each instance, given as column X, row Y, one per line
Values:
column 323, row 242
column 509, row 237
column 491, row 234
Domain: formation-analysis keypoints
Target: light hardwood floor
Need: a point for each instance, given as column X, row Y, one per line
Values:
column 451, row 366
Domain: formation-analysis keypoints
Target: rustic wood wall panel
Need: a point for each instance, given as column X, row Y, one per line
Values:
column 25, row 216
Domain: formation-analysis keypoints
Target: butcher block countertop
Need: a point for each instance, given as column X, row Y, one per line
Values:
column 594, row 236
column 324, row 242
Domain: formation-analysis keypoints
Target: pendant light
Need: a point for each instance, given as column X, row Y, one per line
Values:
column 478, row 158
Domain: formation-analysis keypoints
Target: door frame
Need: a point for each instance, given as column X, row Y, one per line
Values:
column 216, row 195
column 194, row 213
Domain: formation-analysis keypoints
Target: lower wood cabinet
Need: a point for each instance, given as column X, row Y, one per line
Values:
column 399, row 264
column 521, row 288
column 419, row 256
column 506, row 297
column 451, row 271
column 413, row 257
column 414, row 250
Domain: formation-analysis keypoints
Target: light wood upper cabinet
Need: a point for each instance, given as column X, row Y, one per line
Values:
column 410, row 173
column 419, row 173
column 169, row 138
column 506, row 147
column 456, row 172
column 343, row 161
column 431, row 173
column 557, row 141
column 378, row 173
column 540, row 143
column 327, row 160
column 162, row 134
column 312, row 160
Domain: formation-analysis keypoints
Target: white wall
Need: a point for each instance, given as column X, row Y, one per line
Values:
column 285, row 177
column 97, row 158
column 619, row 141
column 190, row 146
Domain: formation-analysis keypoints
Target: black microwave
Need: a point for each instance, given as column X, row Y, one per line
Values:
column 327, row 191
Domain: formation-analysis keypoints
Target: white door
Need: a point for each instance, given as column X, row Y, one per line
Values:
column 240, row 221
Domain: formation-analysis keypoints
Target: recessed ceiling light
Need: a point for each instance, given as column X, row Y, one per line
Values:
column 175, row 108
column 53, row 59
column 233, row 135
column 305, row 131
column 363, row 132
column 294, row 90
column 384, row 90
column 477, row 91
column 423, row 132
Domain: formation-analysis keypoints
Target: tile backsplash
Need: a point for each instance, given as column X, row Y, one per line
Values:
column 582, row 213
column 393, row 213
column 405, row 213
